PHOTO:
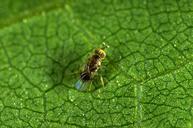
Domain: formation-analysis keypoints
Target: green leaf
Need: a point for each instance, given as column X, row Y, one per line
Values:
column 148, row 70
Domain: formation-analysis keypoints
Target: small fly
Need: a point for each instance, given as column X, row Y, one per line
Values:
column 92, row 66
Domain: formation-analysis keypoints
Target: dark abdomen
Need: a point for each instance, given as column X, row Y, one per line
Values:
column 85, row 76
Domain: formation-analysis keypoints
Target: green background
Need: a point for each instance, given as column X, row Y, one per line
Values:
column 148, row 71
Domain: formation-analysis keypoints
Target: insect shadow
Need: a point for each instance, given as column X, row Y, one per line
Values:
column 64, row 65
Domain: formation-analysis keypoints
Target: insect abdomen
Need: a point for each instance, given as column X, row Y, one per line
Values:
column 85, row 76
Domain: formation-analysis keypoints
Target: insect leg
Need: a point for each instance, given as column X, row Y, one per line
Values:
column 90, row 86
column 102, row 81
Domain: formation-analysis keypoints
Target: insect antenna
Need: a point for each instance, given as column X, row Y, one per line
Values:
column 104, row 46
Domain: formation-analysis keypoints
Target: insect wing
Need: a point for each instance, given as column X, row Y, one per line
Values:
column 81, row 86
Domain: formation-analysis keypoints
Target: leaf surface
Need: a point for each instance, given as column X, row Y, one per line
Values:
column 148, row 71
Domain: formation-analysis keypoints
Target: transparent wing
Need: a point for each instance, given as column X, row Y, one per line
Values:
column 81, row 86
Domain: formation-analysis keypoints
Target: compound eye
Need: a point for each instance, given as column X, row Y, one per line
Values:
column 103, row 54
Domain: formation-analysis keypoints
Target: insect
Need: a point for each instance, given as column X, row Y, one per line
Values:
column 92, row 66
